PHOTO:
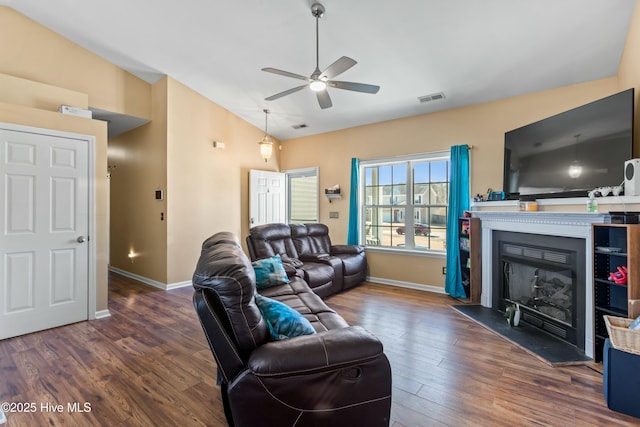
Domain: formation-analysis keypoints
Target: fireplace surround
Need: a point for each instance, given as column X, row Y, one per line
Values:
column 575, row 225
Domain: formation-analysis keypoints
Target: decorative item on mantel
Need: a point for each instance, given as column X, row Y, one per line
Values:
column 592, row 205
column 333, row 192
column 528, row 204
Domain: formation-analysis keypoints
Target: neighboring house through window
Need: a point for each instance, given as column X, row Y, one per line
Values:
column 403, row 203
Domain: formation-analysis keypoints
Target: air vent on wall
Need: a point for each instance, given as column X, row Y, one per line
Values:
column 432, row 97
column 300, row 126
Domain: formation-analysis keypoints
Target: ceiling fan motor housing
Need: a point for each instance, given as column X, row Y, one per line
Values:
column 317, row 10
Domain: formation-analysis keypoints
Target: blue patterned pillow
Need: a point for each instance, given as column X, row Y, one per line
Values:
column 283, row 321
column 269, row 272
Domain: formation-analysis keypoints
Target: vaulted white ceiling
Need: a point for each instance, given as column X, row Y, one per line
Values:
column 472, row 51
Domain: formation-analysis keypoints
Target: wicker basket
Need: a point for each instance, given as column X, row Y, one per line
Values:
column 622, row 338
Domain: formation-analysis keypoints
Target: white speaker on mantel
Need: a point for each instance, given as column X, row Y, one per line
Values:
column 632, row 177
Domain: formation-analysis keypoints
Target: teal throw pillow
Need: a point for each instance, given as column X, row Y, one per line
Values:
column 269, row 272
column 283, row 321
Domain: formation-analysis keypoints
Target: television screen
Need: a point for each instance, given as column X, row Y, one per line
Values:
column 571, row 153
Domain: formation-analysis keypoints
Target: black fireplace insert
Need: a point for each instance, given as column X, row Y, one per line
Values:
column 545, row 277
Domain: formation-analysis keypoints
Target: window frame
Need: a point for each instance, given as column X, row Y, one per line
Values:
column 409, row 215
column 297, row 173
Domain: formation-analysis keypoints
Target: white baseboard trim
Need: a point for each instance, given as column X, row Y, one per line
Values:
column 179, row 285
column 410, row 285
column 150, row 282
column 101, row 314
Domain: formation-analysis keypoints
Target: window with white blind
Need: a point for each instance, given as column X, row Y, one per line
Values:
column 302, row 200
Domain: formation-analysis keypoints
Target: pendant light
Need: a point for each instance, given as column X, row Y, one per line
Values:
column 266, row 145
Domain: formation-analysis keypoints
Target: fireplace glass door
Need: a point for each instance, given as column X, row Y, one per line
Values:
column 546, row 290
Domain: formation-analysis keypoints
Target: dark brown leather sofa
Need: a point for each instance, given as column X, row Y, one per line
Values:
column 338, row 376
column 327, row 268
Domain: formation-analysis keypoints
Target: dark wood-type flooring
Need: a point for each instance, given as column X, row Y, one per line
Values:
column 149, row 365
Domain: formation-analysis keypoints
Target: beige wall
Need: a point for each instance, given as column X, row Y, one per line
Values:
column 482, row 126
column 33, row 52
column 629, row 72
column 40, row 70
column 206, row 189
column 138, row 164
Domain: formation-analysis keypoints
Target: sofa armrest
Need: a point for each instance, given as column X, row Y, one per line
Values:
column 346, row 249
column 323, row 351
column 314, row 257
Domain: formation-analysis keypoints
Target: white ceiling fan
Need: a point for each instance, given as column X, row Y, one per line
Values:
column 319, row 81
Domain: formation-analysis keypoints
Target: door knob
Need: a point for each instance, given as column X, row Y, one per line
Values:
column 81, row 239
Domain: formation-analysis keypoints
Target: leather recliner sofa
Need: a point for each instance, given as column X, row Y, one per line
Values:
column 327, row 268
column 338, row 376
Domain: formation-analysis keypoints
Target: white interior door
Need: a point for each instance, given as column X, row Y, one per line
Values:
column 267, row 198
column 44, row 256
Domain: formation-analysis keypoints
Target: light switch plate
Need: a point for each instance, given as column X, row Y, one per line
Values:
column 334, row 215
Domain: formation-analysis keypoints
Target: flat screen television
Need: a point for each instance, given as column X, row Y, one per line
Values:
column 571, row 153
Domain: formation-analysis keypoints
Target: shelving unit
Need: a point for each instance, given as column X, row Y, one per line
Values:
column 469, row 244
column 614, row 245
column 332, row 195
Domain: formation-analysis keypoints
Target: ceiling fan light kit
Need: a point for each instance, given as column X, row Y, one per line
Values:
column 319, row 81
column 317, row 85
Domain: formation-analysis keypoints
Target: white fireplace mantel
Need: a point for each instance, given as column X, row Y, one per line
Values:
column 564, row 224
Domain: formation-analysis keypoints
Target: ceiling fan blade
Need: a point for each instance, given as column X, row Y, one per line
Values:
column 284, row 73
column 324, row 99
column 338, row 67
column 357, row 87
column 285, row 93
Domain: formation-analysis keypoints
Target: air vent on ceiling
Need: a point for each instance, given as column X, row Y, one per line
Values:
column 300, row 126
column 432, row 97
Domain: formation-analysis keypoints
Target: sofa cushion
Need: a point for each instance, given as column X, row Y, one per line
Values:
column 317, row 274
column 269, row 272
column 270, row 239
column 306, row 252
column 354, row 264
column 311, row 238
column 297, row 295
column 292, row 266
column 224, row 271
column 283, row 321
column 294, row 262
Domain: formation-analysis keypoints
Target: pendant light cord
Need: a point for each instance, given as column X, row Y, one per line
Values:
column 266, row 115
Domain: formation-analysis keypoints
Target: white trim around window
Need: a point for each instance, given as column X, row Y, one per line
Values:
column 403, row 204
